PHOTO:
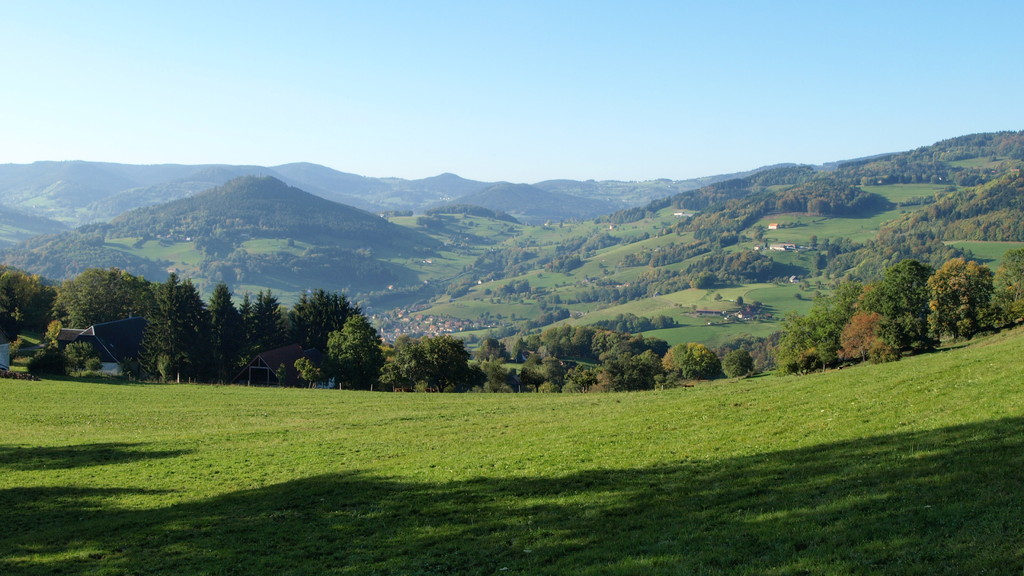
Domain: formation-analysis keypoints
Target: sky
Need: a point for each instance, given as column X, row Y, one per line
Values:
column 519, row 91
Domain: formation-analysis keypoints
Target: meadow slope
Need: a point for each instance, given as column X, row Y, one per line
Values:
column 915, row 467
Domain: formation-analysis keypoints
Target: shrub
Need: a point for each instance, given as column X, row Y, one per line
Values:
column 48, row 361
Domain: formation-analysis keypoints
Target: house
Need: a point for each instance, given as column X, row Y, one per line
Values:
column 116, row 342
column 783, row 247
column 773, row 226
column 262, row 369
column 5, row 351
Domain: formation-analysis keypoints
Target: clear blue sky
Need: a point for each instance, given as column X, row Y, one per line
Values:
column 493, row 90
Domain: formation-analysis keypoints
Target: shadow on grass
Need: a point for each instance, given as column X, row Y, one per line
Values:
column 77, row 456
column 947, row 501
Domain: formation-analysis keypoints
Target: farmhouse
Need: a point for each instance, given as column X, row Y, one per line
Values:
column 782, row 246
column 262, row 369
column 116, row 342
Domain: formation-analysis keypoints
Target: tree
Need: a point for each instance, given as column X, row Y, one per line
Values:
column 314, row 317
column 498, row 378
column 174, row 343
column 692, row 361
column 1008, row 295
column 309, row 371
column 25, row 302
column 961, row 294
column 440, row 362
column 554, row 374
column 626, row 372
column 580, row 379
column 861, row 339
column 902, row 299
column 812, row 342
column 226, row 335
column 738, row 364
column 491, row 349
column 102, row 295
column 447, row 364
column 81, row 357
column 264, row 322
column 531, row 375
column 354, row 355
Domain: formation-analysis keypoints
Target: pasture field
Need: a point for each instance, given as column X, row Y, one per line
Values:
column 803, row 226
column 988, row 253
column 903, row 192
column 181, row 252
column 915, row 467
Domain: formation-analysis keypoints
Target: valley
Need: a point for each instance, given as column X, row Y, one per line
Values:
column 701, row 256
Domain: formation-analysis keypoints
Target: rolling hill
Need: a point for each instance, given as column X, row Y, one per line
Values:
column 17, row 226
column 252, row 231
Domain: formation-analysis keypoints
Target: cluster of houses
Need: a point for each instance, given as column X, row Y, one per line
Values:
column 744, row 313
column 419, row 325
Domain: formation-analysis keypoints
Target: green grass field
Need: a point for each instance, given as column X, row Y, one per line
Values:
column 990, row 253
column 908, row 468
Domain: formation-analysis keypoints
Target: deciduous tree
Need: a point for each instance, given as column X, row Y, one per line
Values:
column 354, row 355
column 901, row 298
column 102, row 295
column 692, row 361
column 738, row 364
column 961, row 293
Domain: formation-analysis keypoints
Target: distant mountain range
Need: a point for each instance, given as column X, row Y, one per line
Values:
column 68, row 194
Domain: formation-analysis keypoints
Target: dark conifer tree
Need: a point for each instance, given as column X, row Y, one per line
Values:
column 315, row 316
column 227, row 334
column 265, row 326
column 174, row 344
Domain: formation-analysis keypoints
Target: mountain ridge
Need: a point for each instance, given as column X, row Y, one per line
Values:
column 77, row 192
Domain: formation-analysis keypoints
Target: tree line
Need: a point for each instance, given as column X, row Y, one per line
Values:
column 910, row 310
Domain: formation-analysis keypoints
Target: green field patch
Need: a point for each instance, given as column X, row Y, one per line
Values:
column 800, row 229
column 648, row 307
column 275, row 246
column 715, row 332
column 898, row 193
column 911, row 467
column 781, row 298
column 176, row 252
column 981, row 162
column 990, row 253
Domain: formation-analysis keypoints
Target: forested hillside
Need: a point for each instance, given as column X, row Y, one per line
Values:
column 774, row 239
column 251, row 231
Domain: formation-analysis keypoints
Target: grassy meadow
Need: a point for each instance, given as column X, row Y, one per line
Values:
column 915, row 467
